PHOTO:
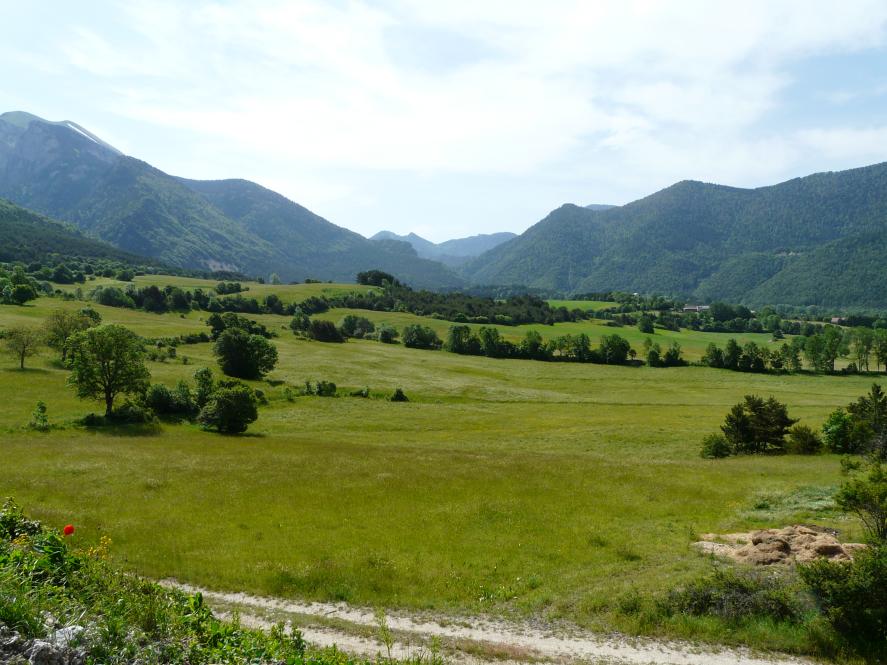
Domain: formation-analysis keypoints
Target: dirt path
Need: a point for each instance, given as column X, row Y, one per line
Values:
column 466, row 640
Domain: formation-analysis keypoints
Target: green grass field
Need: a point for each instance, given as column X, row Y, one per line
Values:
column 503, row 486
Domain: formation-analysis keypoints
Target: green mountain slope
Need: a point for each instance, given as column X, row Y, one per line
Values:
column 793, row 243
column 26, row 236
column 455, row 252
column 310, row 244
column 61, row 170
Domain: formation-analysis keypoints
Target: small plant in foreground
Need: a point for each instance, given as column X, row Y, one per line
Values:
column 715, row 446
column 398, row 396
column 39, row 420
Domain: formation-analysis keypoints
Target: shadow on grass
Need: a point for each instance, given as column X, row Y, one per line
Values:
column 26, row 370
column 100, row 426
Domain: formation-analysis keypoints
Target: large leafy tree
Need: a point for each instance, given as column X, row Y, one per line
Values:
column 105, row 362
column 244, row 355
column 61, row 324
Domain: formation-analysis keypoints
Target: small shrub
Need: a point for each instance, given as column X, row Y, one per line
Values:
column 230, row 409
column 388, row 335
column 715, row 446
column 398, row 396
column 736, row 596
column 289, row 394
column 39, row 421
column 803, row 440
column 325, row 389
column 131, row 413
column 363, row 392
column 853, row 597
column 324, row 331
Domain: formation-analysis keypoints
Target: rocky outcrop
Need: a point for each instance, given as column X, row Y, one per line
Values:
column 58, row 648
column 788, row 545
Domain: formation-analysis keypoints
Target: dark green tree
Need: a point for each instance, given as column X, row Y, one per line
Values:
column 244, row 355
column 230, row 409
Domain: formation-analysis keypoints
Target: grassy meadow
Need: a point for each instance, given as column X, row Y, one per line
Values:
column 503, row 486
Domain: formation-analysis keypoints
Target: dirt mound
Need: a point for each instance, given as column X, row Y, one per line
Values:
column 790, row 544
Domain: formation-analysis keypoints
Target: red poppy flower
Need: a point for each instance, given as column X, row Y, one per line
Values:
column 68, row 530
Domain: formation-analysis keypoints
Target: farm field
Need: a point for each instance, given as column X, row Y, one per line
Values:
column 503, row 486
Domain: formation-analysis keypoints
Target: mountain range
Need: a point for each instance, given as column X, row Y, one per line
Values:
column 817, row 240
column 455, row 252
column 61, row 170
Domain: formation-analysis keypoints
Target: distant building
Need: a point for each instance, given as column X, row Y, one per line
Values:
column 696, row 308
column 837, row 320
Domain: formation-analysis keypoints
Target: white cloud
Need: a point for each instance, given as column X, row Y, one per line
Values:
column 626, row 94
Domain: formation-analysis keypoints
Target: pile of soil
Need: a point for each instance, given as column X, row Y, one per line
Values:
column 788, row 545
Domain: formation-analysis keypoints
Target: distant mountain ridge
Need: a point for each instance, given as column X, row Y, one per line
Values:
column 61, row 170
column 453, row 252
column 813, row 240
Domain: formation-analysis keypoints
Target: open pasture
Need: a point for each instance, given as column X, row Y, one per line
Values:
column 502, row 486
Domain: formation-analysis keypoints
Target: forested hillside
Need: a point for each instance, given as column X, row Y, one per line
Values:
column 26, row 236
column 63, row 171
column 813, row 240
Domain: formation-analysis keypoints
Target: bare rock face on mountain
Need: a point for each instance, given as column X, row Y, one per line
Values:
column 788, row 545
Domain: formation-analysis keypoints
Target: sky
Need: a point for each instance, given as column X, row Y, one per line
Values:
column 460, row 117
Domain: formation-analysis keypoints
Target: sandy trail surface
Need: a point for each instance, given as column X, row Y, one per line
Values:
column 467, row 640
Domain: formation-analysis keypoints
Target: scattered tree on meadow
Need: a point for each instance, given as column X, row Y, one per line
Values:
column 417, row 336
column 244, row 355
column 756, row 425
column 205, row 385
column 105, row 362
column 61, row 324
column 322, row 330
column 23, row 342
column 356, row 326
column 645, row 324
column 230, row 409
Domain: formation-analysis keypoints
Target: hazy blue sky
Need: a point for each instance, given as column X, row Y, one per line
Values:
column 450, row 118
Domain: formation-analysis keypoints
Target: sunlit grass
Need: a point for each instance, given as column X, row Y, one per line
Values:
column 503, row 485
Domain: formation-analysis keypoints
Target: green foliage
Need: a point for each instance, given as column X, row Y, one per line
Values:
column 244, row 355
column 377, row 278
column 219, row 323
column 356, row 326
column 130, row 618
column 417, row 336
column 22, row 342
column 322, row 330
column 645, row 324
column 715, row 446
column 803, row 440
column 230, row 409
column 738, row 596
column 320, row 389
column 756, row 425
column 839, row 434
column 62, row 323
column 388, row 334
column 853, row 598
column 398, row 396
column 205, row 385
column 106, row 361
column 178, row 402
column 865, row 495
column 39, row 421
